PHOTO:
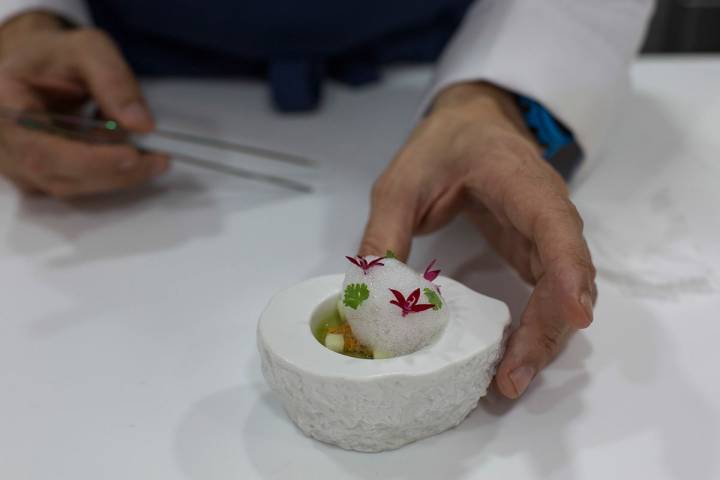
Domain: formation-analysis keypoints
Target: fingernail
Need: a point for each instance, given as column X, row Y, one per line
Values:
column 136, row 113
column 587, row 303
column 521, row 378
column 127, row 164
column 159, row 167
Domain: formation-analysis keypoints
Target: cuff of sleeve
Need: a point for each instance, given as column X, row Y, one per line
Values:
column 73, row 11
column 573, row 57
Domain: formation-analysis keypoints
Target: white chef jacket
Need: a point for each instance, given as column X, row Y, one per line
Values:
column 572, row 56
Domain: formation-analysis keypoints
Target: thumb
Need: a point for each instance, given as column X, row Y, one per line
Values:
column 548, row 321
column 392, row 219
column 110, row 80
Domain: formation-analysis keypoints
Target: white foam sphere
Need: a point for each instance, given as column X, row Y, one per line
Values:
column 376, row 319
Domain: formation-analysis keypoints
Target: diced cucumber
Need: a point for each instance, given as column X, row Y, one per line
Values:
column 335, row 342
column 379, row 355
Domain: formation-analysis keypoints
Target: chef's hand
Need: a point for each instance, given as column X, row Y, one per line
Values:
column 47, row 67
column 473, row 155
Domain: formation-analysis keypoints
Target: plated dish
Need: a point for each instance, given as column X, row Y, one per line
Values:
column 380, row 356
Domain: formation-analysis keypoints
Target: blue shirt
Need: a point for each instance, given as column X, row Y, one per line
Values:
column 294, row 44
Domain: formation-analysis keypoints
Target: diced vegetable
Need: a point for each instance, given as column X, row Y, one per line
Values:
column 335, row 342
column 379, row 355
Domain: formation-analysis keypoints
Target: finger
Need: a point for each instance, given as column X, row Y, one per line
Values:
column 544, row 329
column 67, row 187
column 15, row 95
column 149, row 165
column 18, row 96
column 21, row 184
column 392, row 220
column 444, row 203
column 533, row 200
column 58, row 187
column 510, row 244
column 110, row 80
column 86, row 162
column 67, row 168
column 58, row 96
column 562, row 253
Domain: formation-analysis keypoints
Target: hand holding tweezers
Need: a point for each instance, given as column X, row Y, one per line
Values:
column 96, row 131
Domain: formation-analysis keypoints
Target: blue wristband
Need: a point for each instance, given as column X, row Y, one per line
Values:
column 550, row 134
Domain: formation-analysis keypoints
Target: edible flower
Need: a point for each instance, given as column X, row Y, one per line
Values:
column 361, row 262
column 429, row 274
column 409, row 304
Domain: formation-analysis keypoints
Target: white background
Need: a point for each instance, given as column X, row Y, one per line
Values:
column 127, row 323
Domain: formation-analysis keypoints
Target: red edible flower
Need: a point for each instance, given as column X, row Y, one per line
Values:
column 431, row 275
column 409, row 304
column 364, row 264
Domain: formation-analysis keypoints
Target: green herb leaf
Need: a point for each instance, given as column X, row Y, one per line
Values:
column 433, row 298
column 390, row 254
column 355, row 294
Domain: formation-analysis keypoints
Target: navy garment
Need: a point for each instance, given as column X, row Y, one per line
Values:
column 294, row 44
column 297, row 44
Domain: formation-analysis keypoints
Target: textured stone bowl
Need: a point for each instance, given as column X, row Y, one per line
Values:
column 376, row 405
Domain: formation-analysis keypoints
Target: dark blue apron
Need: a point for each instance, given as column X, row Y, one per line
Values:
column 295, row 44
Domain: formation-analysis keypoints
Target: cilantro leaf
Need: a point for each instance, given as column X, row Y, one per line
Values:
column 390, row 254
column 433, row 298
column 355, row 294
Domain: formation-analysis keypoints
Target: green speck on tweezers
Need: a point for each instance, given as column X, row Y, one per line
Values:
column 111, row 125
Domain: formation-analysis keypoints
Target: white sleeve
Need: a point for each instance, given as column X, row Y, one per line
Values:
column 572, row 56
column 74, row 11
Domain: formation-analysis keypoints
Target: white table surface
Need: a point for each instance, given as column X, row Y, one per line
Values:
column 127, row 324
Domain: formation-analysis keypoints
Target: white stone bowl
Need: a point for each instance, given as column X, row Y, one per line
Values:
column 376, row 405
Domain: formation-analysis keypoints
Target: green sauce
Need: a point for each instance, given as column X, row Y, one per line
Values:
column 325, row 323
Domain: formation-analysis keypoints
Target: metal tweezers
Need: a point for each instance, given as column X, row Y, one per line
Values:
column 110, row 132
